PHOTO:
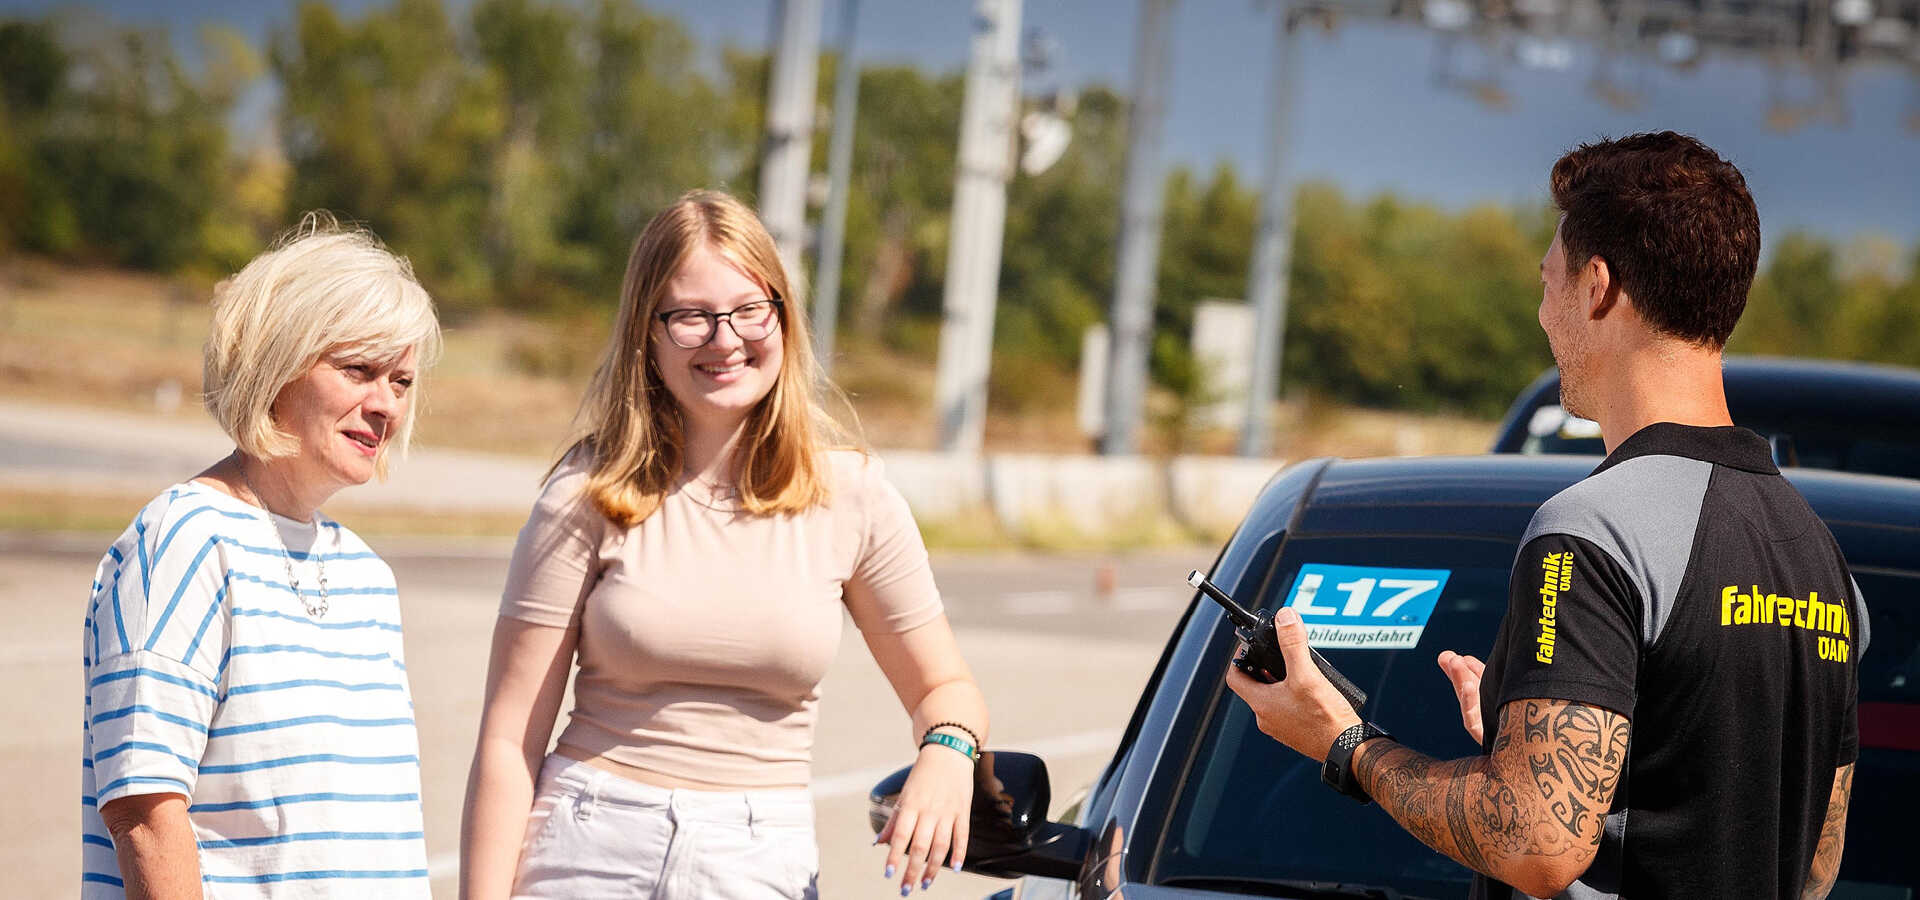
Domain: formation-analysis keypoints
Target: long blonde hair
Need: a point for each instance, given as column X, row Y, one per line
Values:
column 629, row 423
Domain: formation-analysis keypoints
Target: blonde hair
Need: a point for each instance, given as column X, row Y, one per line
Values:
column 322, row 289
column 629, row 423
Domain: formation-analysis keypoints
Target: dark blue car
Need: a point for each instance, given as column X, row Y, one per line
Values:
column 1196, row 802
column 1817, row 414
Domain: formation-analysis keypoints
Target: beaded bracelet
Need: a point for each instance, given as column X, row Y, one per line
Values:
column 947, row 740
column 977, row 742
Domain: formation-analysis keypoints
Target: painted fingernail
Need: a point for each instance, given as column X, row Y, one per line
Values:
column 956, row 867
column 889, row 871
column 905, row 890
column 926, row 883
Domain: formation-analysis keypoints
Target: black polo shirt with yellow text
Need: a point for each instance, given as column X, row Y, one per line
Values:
column 1686, row 585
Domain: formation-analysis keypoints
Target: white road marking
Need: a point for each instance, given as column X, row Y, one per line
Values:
column 1145, row 598
column 859, row 781
column 1038, row 603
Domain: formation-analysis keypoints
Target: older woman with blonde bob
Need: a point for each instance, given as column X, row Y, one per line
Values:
column 693, row 550
column 248, row 725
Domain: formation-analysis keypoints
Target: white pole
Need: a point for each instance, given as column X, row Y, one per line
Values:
column 833, row 225
column 783, row 167
column 988, row 115
column 1139, row 252
column 1272, row 246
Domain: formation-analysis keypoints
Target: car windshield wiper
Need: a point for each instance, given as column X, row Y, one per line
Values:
column 1299, row 888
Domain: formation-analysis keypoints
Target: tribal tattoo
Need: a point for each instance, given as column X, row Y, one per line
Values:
column 1833, row 837
column 1542, row 792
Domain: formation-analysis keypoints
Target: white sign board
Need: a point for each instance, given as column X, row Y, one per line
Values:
column 1092, row 403
column 1223, row 360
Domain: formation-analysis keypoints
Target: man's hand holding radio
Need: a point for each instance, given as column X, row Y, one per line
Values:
column 1303, row 710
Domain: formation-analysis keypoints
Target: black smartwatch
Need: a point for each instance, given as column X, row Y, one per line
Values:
column 1337, row 771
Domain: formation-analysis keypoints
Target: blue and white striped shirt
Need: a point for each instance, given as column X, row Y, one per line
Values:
column 291, row 737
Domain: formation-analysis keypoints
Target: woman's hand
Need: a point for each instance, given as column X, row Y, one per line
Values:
column 929, row 825
column 929, row 822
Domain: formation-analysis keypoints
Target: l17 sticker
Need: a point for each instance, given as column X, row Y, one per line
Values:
column 1365, row 607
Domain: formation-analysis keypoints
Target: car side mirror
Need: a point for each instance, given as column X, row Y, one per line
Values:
column 1008, row 832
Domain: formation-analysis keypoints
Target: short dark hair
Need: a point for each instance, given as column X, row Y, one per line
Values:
column 1674, row 223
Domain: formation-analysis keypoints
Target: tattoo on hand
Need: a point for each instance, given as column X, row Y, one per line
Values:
column 1542, row 792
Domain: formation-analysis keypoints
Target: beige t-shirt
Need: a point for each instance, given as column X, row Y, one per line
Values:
column 704, row 629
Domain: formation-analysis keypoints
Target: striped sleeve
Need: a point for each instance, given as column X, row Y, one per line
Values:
column 153, row 691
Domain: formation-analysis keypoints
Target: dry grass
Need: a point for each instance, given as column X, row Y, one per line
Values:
column 108, row 514
column 510, row 385
column 48, row 511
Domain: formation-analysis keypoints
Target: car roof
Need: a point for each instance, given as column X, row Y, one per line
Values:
column 1771, row 372
column 1875, row 518
column 1773, row 387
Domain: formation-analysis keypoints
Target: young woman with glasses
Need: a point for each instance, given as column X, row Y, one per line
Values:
column 692, row 551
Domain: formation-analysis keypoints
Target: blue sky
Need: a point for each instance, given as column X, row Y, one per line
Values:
column 1367, row 113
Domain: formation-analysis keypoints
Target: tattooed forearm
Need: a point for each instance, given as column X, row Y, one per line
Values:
column 1833, row 837
column 1539, row 797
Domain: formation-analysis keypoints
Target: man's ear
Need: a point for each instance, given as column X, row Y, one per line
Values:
column 1603, row 290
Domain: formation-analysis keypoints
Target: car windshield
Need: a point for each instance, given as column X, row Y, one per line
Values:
column 1250, row 809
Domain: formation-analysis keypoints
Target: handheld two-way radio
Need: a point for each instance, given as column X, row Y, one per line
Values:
column 1262, row 660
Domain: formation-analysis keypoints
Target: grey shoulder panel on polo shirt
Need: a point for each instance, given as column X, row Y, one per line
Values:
column 1864, row 631
column 1643, row 512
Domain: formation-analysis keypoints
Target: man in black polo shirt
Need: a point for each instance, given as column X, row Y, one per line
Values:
column 1669, row 708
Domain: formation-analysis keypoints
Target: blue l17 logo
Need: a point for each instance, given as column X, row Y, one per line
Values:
column 1365, row 607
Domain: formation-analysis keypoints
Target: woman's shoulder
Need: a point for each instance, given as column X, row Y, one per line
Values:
column 569, row 475
column 186, row 515
column 564, row 496
column 191, row 509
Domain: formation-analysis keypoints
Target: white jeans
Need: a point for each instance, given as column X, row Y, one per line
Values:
column 593, row 834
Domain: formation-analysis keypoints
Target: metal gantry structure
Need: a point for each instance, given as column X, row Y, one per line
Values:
column 1812, row 41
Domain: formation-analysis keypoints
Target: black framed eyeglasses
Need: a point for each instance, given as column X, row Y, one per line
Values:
column 691, row 329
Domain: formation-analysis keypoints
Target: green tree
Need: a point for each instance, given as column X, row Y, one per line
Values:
column 898, row 203
column 1206, row 245
column 1403, row 305
column 385, row 121
column 1057, row 261
column 121, row 148
column 32, row 69
column 528, row 49
column 1802, row 304
column 647, row 134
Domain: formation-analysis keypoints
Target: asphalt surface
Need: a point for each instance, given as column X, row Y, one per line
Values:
column 1060, row 650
